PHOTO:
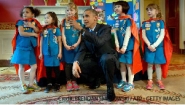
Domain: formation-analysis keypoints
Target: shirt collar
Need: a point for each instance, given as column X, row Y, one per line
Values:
column 92, row 28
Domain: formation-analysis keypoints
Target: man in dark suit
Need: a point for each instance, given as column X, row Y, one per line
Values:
column 96, row 52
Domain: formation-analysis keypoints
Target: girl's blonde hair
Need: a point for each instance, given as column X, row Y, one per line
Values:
column 155, row 6
column 71, row 5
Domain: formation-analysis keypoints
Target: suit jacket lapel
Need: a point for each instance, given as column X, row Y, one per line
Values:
column 91, row 45
column 97, row 28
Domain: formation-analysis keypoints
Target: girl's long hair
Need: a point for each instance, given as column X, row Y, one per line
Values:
column 155, row 6
column 54, row 18
column 73, row 6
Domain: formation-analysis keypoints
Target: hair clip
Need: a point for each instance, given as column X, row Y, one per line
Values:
column 93, row 7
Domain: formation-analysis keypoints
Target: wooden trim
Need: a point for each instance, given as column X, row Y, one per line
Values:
column 5, row 63
column 7, row 26
column 173, row 22
column 182, row 51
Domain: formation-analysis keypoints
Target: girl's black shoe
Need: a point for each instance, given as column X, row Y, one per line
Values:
column 56, row 87
column 48, row 88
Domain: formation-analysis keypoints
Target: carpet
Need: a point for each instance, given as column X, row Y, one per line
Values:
column 11, row 94
column 174, row 93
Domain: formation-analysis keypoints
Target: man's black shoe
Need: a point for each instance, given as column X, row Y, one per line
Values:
column 95, row 84
column 110, row 93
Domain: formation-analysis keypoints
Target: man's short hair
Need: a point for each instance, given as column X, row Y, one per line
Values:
column 92, row 11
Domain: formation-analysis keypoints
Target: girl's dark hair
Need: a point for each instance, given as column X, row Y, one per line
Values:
column 35, row 11
column 155, row 6
column 124, row 4
column 54, row 17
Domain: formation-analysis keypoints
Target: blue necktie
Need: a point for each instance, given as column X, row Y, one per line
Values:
column 92, row 45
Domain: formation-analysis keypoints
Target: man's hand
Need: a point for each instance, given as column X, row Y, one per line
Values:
column 76, row 69
column 75, row 24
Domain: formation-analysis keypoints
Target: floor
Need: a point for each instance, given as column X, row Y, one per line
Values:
column 173, row 94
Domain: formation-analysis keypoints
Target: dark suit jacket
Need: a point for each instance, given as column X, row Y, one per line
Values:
column 98, row 42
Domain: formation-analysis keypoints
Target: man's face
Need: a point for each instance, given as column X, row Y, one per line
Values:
column 89, row 19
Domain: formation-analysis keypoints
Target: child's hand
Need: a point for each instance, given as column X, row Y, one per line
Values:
column 68, row 47
column 74, row 46
column 29, row 24
column 151, row 48
column 40, row 56
column 113, row 31
column 59, row 56
column 35, row 34
column 117, row 49
column 122, row 50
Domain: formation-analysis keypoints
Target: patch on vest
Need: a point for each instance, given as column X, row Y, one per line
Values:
column 147, row 25
column 67, row 27
column 158, row 24
column 45, row 33
column 147, row 28
column 157, row 36
column 54, row 31
column 121, row 28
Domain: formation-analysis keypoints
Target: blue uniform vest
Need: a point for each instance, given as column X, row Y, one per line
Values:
column 72, row 36
column 153, row 29
column 25, row 43
column 50, row 44
column 122, row 25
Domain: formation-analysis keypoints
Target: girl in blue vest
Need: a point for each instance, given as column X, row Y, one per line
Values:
column 51, row 50
column 153, row 35
column 71, row 39
column 124, row 41
column 25, row 42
